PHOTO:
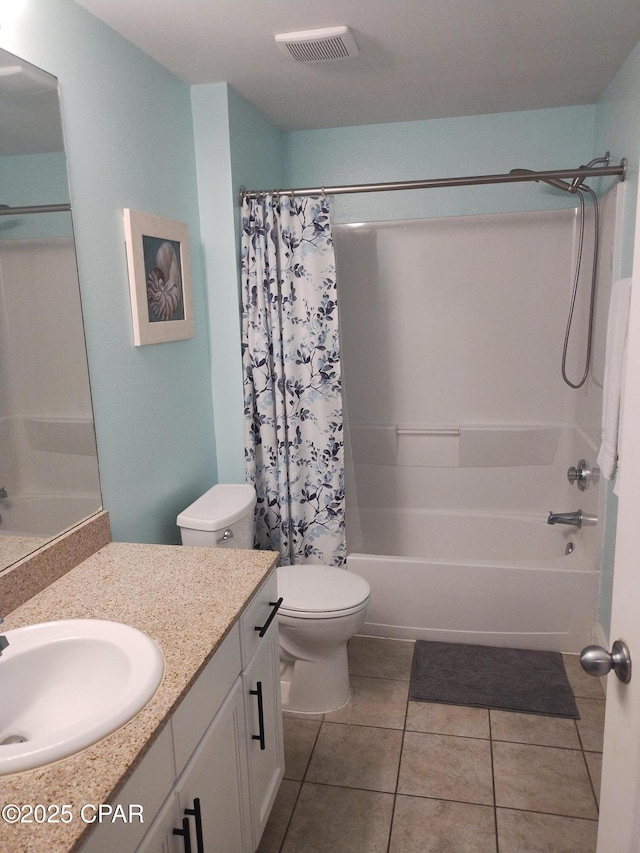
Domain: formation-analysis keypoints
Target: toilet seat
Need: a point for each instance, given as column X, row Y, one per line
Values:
column 320, row 592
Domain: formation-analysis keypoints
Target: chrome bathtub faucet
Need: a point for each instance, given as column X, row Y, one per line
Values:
column 582, row 474
column 577, row 518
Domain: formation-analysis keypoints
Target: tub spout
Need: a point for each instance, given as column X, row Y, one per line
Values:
column 577, row 519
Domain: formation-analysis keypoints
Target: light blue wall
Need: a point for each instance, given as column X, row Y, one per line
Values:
column 213, row 159
column 129, row 140
column 440, row 148
column 235, row 146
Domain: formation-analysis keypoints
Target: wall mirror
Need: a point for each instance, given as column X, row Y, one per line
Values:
column 49, row 477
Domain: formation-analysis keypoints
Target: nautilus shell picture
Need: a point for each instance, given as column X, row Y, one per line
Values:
column 164, row 279
column 159, row 266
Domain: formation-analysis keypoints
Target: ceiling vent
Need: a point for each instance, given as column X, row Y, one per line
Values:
column 318, row 45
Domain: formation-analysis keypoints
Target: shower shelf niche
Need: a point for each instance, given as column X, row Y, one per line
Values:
column 473, row 446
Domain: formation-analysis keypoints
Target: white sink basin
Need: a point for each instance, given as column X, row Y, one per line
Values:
column 67, row 684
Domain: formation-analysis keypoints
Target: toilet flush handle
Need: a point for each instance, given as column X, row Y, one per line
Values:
column 226, row 536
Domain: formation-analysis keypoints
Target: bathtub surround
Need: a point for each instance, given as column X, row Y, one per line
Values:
column 292, row 378
column 454, row 480
column 442, row 302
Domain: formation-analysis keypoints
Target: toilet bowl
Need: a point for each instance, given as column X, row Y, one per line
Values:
column 322, row 608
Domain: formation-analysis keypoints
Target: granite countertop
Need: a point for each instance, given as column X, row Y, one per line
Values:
column 187, row 599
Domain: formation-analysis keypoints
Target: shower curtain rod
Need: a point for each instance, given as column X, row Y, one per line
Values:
column 6, row 210
column 430, row 183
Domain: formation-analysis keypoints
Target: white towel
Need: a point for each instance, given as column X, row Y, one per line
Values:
column 617, row 326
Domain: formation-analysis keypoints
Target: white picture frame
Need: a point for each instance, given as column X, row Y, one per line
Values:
column 159, row 266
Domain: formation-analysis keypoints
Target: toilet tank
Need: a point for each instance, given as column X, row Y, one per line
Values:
column 221, row 518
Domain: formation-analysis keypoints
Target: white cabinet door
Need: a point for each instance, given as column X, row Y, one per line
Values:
column 261, row 681
column 213, row 789
column 160, row 837
column 208, row 809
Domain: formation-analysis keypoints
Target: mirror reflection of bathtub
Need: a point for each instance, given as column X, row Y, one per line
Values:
column 48, row 458
column 28, row 522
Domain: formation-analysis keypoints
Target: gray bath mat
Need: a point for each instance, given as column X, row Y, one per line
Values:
column 522, row 680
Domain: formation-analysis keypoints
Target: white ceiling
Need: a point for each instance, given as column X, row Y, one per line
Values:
column 418, row 59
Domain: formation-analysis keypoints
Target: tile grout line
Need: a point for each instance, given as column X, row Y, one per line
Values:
column 493, row 783
column 395, row 793
column 302, row 781
column 589, row 775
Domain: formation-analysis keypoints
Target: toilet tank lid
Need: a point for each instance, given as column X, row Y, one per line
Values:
column 221, row 506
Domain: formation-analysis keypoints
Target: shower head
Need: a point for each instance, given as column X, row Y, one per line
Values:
column 577, row 183
column 558, row 183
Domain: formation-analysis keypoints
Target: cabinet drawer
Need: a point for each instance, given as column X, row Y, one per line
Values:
column 257, row 615
column 192, row 717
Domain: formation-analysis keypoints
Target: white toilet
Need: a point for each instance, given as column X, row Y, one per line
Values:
column 322, row 607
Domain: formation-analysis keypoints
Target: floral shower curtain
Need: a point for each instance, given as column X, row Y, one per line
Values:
column 292, row 379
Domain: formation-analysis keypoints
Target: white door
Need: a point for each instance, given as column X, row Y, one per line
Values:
column 619, row 827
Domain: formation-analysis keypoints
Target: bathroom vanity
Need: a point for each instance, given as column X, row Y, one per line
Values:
column 204, row 757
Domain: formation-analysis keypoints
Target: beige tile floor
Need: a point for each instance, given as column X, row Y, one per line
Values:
column 388, row 775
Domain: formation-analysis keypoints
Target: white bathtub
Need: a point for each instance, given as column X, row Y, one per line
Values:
column 499, row 579
column 44, row 515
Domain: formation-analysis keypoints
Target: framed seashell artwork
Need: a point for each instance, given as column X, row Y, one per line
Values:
column 159, row 278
